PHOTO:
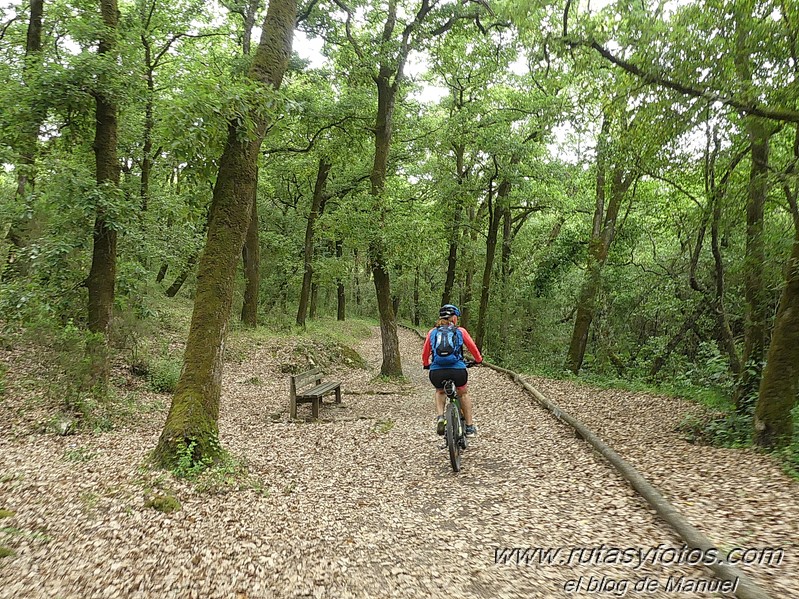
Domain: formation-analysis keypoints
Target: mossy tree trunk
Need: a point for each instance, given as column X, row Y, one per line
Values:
column 779, row 386
column 193, row 416
column 754, row 291
column 491, row 248
column 251, row 251
column 386, row 94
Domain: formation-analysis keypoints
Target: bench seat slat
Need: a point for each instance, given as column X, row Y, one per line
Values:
column 319, row 390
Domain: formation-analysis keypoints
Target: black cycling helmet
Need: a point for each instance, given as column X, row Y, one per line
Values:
column 448, row 310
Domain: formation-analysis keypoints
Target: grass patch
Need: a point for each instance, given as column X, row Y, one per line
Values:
column 163, row 374
column 13, row 531
column 164, row 503
column 7, row 514
column 78, row 454
column 6, row 552
column 382, row 427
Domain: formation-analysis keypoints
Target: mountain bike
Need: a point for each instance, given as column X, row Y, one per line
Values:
column 455, row 424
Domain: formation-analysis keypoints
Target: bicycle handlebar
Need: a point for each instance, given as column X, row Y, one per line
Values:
column 469, row 364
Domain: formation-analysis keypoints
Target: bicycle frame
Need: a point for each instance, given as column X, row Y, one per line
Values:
column 455, row 435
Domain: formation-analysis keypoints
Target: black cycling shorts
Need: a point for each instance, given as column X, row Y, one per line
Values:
column 459, row 375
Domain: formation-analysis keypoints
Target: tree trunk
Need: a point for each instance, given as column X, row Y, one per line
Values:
column 341, row 296
column 722, row 320
column 491, row 247
column 149, row 125
column 192, row 424
column 313, row 304
column 754, row 290
column 468, row 280
column 174, row 288
column 507, row 243
column 780, row 382
column 392, row 365
column 495, row 213
column 452, row 257
column 251, row 258
column 251, row 251
column 416, row 302
column 602, row 235
column 248, row 15
column 29, row 134
column 322, row 174
column 102, row 275
column 779, row 386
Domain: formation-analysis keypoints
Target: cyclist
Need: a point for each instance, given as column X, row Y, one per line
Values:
column 450, row 367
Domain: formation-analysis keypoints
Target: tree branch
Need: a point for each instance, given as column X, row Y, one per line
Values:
column 311, row 143
column 348, row 29
column 305, row 13
column 776, row 114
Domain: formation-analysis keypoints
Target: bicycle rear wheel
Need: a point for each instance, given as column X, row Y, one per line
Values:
column 453, row 434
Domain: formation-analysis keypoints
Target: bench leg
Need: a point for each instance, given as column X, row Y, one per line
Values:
column 315, row 407
column 293, row 408
column 338, row 395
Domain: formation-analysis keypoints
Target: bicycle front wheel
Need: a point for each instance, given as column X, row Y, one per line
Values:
column 453, row 433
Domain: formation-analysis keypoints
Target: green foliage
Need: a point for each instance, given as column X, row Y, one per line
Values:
column 164, row 503
column 6, row 513
column 6, row 552
column 189, row 465
column 163, row 374
column 214, row 476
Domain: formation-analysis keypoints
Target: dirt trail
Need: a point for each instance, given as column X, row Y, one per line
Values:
column 362, row 504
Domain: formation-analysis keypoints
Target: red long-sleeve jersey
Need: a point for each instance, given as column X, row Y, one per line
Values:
column 427, row 351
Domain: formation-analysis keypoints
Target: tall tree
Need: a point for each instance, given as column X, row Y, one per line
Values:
column 384, row 57
column 603, row 231
column 102, row 276
column 308, row 248
column 29, row 134
column 192, row 422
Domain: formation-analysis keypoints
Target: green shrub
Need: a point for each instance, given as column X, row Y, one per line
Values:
column 163, row 374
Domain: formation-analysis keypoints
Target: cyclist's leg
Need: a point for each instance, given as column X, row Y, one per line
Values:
column 463, row 392
column 440, row 398
column 437, row 378
column 466, row 404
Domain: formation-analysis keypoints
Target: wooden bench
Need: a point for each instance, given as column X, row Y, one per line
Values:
column 312, row 395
